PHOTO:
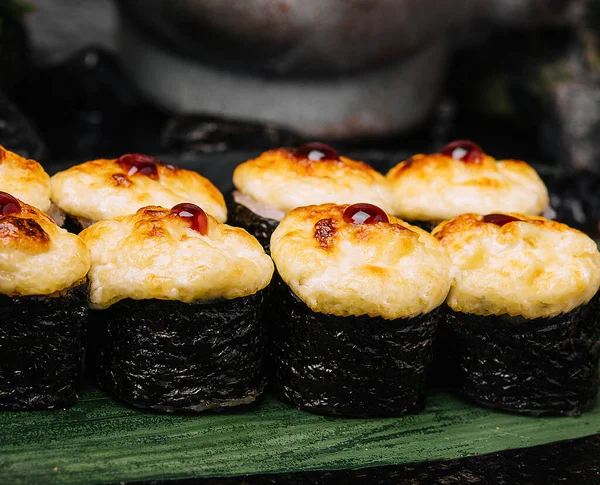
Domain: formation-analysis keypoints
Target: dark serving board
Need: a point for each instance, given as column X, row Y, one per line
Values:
column 101, row 441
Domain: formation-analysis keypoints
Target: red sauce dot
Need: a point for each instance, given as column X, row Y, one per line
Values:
column 138, row 163
column 194, row 215
column 464, row 150
column 499, row 219
column 364, row 214
column 316, row 151
column 8, row 204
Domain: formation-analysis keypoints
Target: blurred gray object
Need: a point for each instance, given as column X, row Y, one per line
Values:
column 333, row 69
column 16, row 132
column 60, row 28
column 327, row 68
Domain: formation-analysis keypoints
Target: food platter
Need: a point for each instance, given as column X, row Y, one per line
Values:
column 102, row 441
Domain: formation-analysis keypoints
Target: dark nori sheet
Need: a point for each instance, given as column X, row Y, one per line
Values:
column 545, row 366
column 425, row 225
column 41, row 347
column 260, row 227
column 72, row 225
column 350, row 366
column 169, row 355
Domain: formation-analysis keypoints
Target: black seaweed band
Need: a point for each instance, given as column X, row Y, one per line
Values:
column 169, row 355
column 540, row 366
column 351, row 366
column 41, row 342
column 260, row 227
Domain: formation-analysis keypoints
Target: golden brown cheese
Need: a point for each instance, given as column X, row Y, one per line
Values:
column 282, row 181
column 37, row 257
column 103, row 189
column 25, row 179
column 391, row 270
column 156, row 254
column 437, row 187
column 532, row 267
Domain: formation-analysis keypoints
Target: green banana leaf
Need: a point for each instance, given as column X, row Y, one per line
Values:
column 100, row 441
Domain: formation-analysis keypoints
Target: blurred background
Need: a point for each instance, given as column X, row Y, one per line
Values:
column 209, row 82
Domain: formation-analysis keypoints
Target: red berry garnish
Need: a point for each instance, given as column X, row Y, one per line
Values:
column 499, row 219
column 138, row 163
column 192, row 213
column 316, row 151
column 8, row 204
column 364, row 214
column 464, row 150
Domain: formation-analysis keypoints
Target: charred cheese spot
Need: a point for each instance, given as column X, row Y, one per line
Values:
column 325, row 232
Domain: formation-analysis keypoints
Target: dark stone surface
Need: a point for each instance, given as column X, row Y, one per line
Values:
column 572, row 126
column 14, row 47
column 86, row 108
column 202, row 133
column 16, row 132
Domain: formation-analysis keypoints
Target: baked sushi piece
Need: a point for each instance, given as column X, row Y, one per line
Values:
column 105, row 189
column 268, row 187
column 428, row 189
column 177, row 299
column 43, row 302
column 356, row 306
column 27, row 181
column 524, row 330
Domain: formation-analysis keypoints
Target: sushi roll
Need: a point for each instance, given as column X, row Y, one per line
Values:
column 428, row 189
column 105, row 189
column 177, row 309
column 524, row 325
column 27, row 181
column 43, row 302
column 268, row 187
column 356, row 306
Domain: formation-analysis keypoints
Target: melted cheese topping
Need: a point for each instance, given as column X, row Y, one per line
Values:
column 392, row 270
column 102, row 189
column 24, row 179
column 37, row 257
column 156, row 254
column 437, row 187
column 533, row 268
column 284, row 182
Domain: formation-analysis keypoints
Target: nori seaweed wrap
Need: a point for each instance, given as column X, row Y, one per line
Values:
column 108, row 188
column 169, row 355
column 523, row 330
column 355, row 307
column 43, row 301
column 41, row 340
column 429, row 189
column 177, row 315
column 268, row 187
